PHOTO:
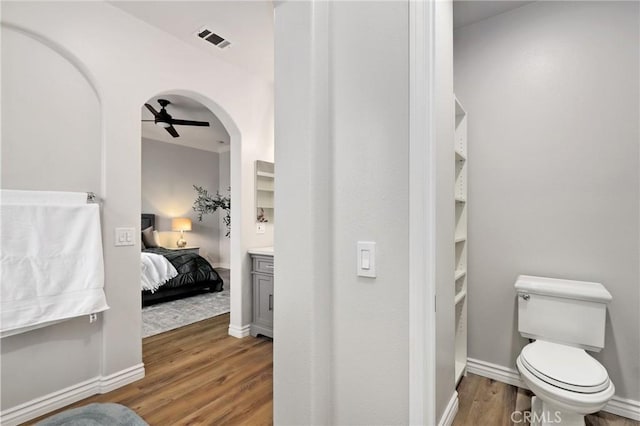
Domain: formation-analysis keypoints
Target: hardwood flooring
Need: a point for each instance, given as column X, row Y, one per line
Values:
column 199, row 375
column 485, row 402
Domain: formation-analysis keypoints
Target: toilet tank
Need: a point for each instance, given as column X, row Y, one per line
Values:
column 562, row 311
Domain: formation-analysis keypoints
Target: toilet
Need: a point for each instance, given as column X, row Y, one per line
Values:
column 566, row 319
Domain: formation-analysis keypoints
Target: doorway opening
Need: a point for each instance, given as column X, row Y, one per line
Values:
column 186, row 216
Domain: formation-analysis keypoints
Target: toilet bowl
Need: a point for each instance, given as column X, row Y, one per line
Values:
column 569, row 382
column 565, row 318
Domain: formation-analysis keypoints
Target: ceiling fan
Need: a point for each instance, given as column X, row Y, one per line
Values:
column 163, row 119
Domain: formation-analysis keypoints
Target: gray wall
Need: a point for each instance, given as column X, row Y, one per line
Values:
column 551, row 90
column 369, row 116
column 342, row 156
column 169, row 172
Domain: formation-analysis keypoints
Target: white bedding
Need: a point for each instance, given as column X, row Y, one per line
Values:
column 155, row 271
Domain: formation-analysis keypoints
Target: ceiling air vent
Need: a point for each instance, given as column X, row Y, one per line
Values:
column 213, row 38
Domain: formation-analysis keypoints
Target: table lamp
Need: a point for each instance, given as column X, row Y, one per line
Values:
column 181, row 224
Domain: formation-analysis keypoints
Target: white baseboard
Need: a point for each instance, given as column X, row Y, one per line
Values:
column 619, row 406
column 45, row 404
column 239, row 332
column 624, row 407
column 121, row 378
column 450, row 412
column 496, row 372
column 222, row 265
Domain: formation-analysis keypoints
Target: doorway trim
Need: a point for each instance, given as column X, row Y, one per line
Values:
column 422, row 224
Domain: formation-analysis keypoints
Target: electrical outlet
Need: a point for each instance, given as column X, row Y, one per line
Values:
column 260, row 228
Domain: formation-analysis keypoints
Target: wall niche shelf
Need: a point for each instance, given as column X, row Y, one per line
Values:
column 460, row 238
column 265, row 178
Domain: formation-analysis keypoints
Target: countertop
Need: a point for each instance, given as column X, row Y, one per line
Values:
column 264, row 251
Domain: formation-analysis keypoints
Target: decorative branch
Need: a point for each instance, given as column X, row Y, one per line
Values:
column 206, row 203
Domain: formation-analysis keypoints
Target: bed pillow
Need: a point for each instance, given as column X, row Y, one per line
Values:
column 156, row 238
column 142, row 246
column 147, row 238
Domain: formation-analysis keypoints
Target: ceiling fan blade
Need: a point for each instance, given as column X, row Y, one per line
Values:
column 172, row 131
column 189, row 123
column 152, row 109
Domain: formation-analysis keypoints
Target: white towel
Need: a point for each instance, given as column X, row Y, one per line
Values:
column 51, row 259
column 42, row 198
column 155, row 271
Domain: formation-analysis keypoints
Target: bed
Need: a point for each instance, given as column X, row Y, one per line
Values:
column 195, row 273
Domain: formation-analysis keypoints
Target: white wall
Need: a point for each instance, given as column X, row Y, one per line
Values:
column 551, row 90
column 445, row 205
column 118, row 54
column 169, row 172
column 37, row 157
column 342, row 74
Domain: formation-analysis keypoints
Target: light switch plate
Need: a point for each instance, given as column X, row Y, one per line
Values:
column 366, row 255
column 124, row 237
column 260, row 228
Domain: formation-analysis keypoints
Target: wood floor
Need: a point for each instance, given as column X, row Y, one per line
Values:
column 199, row 375
column 485, row 402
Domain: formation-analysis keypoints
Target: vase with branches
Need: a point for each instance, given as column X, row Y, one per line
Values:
column 207, row 203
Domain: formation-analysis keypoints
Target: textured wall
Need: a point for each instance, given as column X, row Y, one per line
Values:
column 552, row 95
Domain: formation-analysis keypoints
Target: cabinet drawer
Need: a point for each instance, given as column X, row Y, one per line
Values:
column 263, row 264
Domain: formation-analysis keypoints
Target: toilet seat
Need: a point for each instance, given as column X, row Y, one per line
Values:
column 564, row 367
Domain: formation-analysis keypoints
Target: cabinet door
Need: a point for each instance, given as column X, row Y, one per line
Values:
column 263, row 299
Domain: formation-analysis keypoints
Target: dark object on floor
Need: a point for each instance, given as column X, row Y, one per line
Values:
column 96, row 414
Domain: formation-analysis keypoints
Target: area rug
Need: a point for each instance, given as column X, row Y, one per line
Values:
column 97, row 414
column 167, row 316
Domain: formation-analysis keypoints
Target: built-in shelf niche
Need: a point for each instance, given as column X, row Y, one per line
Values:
column 265, row 178
column 460, row 238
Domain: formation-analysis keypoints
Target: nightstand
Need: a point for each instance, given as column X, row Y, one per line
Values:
column 195, row 250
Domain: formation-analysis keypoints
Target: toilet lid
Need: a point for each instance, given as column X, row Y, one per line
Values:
column 565, row 367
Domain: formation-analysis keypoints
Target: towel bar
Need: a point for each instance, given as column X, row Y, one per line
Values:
column 93, row 198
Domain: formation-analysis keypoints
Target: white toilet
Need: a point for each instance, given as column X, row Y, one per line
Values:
column 565, row 318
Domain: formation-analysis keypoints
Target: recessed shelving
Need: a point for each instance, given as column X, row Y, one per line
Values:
column 460, row 238
column 265, row 174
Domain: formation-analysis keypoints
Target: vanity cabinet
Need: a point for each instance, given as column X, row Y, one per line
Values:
column 262, row 278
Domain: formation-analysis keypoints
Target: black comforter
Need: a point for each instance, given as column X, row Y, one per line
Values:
column 194, row 274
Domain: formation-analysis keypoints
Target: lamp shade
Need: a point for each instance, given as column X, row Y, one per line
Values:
column 181, row 224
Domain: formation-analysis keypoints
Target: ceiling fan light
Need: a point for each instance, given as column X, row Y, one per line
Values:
column 163, row 124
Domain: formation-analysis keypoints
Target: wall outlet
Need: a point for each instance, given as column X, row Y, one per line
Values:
column 260, row 228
